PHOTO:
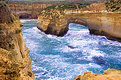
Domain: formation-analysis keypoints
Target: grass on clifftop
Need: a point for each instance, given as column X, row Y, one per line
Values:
column 113, row 5
column 67, row 6
column 54, row 9
column 3, row 3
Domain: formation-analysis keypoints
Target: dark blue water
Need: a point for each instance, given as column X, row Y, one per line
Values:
column 62, row 58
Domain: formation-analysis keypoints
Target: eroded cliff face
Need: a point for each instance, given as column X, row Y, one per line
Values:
column 55, row 21
column 109, row 74
column 106, row 24
column 15, row 63
column 27, row 10
column 53, row 25
column 98, row 20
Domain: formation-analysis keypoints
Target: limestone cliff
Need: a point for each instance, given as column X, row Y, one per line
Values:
column 27, row 10
column 55, row 19
column 110, row 74
column 55, row 24
column 15, row 63
column 96, row 17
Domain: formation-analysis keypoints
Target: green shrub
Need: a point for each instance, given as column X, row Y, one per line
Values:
column 3, row 4
column 113, row 5
column 112, row 1
column 51, row 10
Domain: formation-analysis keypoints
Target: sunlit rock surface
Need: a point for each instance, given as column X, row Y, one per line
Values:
column 27, row 10
column 98, row 20
column 15, row 63
column 53, row 24
column 109, row 74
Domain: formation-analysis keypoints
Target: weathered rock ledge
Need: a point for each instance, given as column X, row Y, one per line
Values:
column 54, row 26
column 109, row 74
column 99, row 22
column 27, row 10
column 15, row 63
column 107, row 24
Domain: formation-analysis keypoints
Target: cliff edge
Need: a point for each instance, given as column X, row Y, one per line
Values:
column 98, row 17
column 109, row 74
column 27, row 10
column 15, row 63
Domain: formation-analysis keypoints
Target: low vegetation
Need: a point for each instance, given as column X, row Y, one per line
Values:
column 113, row 5
column 55, row 10
column 3, row 3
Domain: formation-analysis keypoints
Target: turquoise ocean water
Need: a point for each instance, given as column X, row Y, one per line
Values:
column 62, row 58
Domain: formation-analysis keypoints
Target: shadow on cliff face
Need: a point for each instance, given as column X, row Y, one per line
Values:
column 53, row 31
column 5, row 13
column 15, row 63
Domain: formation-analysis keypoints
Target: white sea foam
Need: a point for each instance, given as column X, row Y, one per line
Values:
column 91, row 52
column 51, row 36
column 96, row 53
column 67, row 70
column 63, row 64
column 109, row 42
column 27, row 20
column 33, row 32
column 24, row 20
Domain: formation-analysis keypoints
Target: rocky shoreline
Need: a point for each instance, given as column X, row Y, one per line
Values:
column 15, row 63
column 109, row 74
column 99, row 21
column 106, row 24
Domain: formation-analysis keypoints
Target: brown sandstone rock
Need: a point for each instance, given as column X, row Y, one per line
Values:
column 98, row 20
column 27, row 10
column 110, row 74
column 54, row 26
column 107, row 24
column 15, row 63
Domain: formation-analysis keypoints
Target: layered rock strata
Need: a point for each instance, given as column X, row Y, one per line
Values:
column 99, row 22
column 27, row 10
column 109, row 74
column 15, row 63
column 54, row 26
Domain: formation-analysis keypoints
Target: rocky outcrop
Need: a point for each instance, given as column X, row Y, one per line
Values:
column 110, row 74
column 15, row 63
column 52, row 25
column 55, row 19
column 27, row 10
column 113, row 5
column 99, row 22
column 106, row 24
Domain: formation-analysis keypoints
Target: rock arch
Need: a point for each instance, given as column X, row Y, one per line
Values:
column 107, row 24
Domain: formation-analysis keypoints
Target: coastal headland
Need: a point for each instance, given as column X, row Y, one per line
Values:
column 15, row 64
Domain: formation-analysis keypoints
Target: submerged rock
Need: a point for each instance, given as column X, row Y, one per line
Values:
column 109, row 74
column 71, row 47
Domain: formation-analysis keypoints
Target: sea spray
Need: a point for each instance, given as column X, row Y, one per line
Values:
column 62, row 58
